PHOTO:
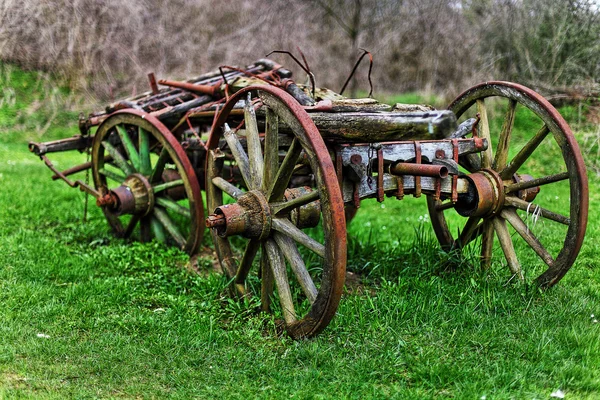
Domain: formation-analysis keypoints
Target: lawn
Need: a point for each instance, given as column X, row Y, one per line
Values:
column 86, row 315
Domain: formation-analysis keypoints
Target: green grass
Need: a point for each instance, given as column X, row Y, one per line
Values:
column 85, row 315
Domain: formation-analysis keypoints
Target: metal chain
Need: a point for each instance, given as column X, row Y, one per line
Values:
column 87, row 195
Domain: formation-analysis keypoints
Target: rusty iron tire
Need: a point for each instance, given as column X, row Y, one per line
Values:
column 556, row 263
column 186, row 222
column 305, row 311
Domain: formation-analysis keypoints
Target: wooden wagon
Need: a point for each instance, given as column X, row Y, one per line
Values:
column 284, row 168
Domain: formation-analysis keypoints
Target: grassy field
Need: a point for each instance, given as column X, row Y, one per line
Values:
column 85, row 315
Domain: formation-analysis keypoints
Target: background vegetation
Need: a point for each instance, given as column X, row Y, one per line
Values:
column 108, row 46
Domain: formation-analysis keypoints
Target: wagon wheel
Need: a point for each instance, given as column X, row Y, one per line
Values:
column 258, row 222
column 146, row 181
column 540, row 210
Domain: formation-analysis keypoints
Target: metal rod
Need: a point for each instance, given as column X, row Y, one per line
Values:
column 436, row 171
column 214, row 91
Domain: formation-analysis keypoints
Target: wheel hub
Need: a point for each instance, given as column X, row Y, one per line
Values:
column 306, row 216
column 485, row 196
column 526, row 194
column 249, row 217
column 134, row 196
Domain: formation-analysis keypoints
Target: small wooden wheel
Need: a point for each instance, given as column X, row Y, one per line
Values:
column 146, row 180
column 259, row 220
column 537, row 170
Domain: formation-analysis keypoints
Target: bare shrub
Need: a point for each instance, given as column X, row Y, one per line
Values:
column 108, row 46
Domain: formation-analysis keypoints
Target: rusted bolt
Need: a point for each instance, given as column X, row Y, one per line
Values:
column 440, row 154
column 356, row 159
column 215, row 221
column 108, row 200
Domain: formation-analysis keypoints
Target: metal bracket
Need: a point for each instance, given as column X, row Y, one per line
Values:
column 417, row 161
column 455, row 177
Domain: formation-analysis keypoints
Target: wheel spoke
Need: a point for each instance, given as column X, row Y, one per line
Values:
column 507, row 246
column 118, row 158
column 484, row 132
column 271, row 149
column 246, row 263
column 504, row 139
column 227, row 187
column 277, row 264
column 228, row 264
column 536, row 182
column 517, row 223
column 524, row 153
column 167, row 185
column 160, row 166
column 240, row 156
column 144, row 145
column 287, row 228
column 112, row 175
column 158, row 230
column 439, row 206
column 285, row 172
column 253, row 143
column 169, row 225
column 266, row 282
column 131, row 226
column 467, row 234
column 146, row 229
column 173, row 206
column 287, row 206
column 534, row 208
column 487, row 242
column 129, row 146
column 471, row 162
column 292, row 255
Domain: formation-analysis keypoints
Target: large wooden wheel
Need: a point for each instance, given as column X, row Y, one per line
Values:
column 149, row 188
column 291, row 239
column 539, row 199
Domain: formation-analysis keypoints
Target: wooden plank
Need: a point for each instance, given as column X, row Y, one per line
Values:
column 385, row 126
